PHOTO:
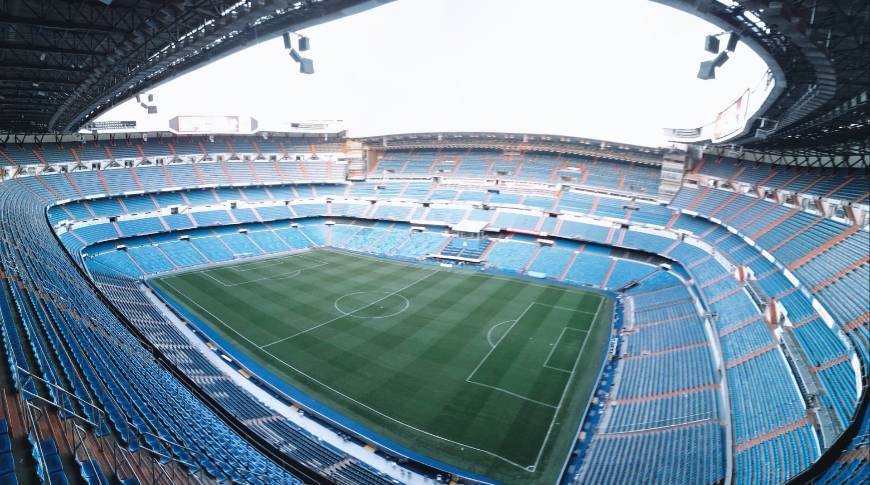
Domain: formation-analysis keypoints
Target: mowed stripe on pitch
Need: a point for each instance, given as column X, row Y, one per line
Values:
column 416, row 363
column 413, row 366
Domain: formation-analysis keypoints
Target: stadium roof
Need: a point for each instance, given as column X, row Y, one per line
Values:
column 66, row 61
column 818, row 53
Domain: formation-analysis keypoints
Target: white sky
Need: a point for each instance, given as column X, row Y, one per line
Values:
column 616, row 70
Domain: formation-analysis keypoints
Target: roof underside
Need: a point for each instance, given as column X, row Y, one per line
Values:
column 824, row 116
column 820, row 49
column 66, row 61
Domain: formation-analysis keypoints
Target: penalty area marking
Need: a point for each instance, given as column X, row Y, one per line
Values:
column 568, row 384
column 282, row 276
column 558, row 406
column 489, row 333
column 261, row 263
column 556, row 344
column 496, row 388
column 520, row 317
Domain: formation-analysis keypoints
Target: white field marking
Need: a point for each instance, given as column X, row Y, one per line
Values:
column 567, row 386
column 489, row 333
column 572, row 310
column 468, row 379
column 351, row 314
column 556, row 344
column 344, row 315
column 433, row 435
column 565, row 288
column 291, row 274
column 213, row 265
column 524, row 398
column 167, row 283
column 479, row 364
column 255, row 265
column 239, row 264
column 324, row 385
column 268, row 262
column 556, row 369
column 292, row 257
column 281, row 276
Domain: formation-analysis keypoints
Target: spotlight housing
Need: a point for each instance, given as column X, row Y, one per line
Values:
column 711, row 44
column 707, row 71
column 733, row 38
column 306, row 66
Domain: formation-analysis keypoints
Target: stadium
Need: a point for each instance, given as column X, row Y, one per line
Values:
column 230, row 300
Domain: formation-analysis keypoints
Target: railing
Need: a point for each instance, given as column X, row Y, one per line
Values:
column 122, row 459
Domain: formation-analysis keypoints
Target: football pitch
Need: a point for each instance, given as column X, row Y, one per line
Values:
column 485, row 372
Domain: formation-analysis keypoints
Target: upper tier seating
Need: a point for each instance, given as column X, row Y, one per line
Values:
column 835, row 184
column 828, row 257
column 603, row 174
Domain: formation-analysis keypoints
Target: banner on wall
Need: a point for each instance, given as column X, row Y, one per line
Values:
column 732, row 119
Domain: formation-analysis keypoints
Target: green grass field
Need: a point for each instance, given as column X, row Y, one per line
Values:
column 488, row 373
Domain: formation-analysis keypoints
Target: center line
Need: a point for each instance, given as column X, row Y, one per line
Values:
column 351, row 313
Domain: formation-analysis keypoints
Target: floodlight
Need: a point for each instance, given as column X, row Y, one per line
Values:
column 733, row 38
column 707, row 71
column 306, row 66
column 711, row 44
column 720, row 59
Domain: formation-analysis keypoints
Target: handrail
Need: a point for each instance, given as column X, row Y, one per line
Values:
column 841, row 444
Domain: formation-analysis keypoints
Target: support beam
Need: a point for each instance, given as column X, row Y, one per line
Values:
column 62, row 25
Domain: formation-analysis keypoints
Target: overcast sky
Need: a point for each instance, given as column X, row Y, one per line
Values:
column 617, row 70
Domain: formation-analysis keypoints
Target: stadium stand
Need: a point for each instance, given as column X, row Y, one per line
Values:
column 604, row 174
column 738, row 261
column 701, row 376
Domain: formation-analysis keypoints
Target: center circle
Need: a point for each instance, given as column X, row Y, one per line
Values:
column 371, row 304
